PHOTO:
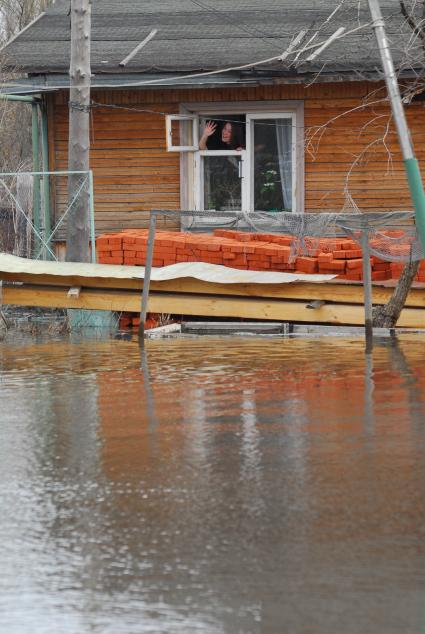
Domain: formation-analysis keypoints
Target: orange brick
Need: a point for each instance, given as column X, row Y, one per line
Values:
column 115, row 242
column 164, row 242
column 357, row 263
column 103, row 254
column 140, row 241
column 382, row 266
column 381, row 275
column 307, row 265
column 335, row 265
column 214, row 246
column 240, row 260
column 237, row 248
column 349, row 245
column 354, row 275
column 324, row 257
column 103, row 248
column 102, row 243
column 130, row 248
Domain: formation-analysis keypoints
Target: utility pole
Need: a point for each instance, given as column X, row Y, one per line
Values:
column 410, row 162
column 78, row 221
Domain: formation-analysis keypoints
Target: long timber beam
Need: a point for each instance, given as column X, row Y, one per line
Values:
column 336, row 292
column 200, row 304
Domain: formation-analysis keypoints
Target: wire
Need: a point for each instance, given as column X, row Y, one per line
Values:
column 213, row 117
column 241, row 27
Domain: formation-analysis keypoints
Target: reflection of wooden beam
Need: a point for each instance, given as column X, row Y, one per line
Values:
column 207, row 305
column 329, row 292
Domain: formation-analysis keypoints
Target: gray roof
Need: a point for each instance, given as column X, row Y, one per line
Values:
column 205, row 35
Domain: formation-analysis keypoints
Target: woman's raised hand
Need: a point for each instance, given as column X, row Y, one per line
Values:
column 210, row 128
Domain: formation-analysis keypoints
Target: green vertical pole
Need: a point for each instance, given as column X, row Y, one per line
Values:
column 46, row 177
column 412, row 169
column 416, row 187
column 36, row 183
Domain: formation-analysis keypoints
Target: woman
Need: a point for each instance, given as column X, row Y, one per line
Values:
column 229, row 138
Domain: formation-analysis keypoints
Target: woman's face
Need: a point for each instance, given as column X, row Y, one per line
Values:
column 226, row 133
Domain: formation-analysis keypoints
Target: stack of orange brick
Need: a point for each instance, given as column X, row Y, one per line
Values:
column 242, row 250
column 130, row 247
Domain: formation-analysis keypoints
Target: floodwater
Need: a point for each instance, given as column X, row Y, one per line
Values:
column 212, row 485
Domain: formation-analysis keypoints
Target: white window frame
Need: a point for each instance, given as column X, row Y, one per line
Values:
column 198, row 172
column 169, row 118
column 190, row 160
column 250, row 119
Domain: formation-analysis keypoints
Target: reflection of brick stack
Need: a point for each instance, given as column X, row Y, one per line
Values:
column 241, row 250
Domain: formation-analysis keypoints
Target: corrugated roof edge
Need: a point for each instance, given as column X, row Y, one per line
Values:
column 52, row 82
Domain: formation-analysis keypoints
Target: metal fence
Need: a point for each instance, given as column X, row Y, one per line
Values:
column 35, row 208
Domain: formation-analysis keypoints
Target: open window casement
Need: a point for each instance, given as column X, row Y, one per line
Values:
column 182, row 132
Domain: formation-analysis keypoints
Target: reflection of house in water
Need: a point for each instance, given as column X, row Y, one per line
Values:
column 291, row 414
column 255, row 456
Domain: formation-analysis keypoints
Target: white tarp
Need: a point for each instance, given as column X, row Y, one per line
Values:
column 198, row 270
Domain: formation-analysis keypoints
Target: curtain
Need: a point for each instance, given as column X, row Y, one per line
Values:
column 284, row 149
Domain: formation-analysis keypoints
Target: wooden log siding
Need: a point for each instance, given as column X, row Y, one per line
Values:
column 134, row 173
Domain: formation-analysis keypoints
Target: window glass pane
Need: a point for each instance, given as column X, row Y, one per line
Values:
column 272, row 164
column 181, row 132
column 222, row 183
column 225, row 132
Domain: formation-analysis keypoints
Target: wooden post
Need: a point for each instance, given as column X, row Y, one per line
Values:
column 78, row 221
column 367, row 289
column 147, row 276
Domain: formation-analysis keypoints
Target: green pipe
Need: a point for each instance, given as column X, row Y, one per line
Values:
column 46, row 180
column 4, row 97
column 416, row 187
column 36, row 183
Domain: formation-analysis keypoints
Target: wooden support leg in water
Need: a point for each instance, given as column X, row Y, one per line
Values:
column 147, row 277
column 367, row 289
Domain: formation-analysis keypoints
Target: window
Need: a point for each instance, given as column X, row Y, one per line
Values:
column 251, row 159
column 272, row 160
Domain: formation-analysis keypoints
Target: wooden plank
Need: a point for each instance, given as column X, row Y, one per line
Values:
column 330, row 292
column 211, row 306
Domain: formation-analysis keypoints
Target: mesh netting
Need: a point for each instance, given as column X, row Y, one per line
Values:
column 29, row 223
column 392, row 236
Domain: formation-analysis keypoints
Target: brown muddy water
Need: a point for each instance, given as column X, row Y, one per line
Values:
column 212, row 485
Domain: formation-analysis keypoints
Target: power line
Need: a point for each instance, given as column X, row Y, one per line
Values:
column 264, row 36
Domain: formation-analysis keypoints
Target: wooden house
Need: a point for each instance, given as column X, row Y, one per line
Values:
column 313, row 124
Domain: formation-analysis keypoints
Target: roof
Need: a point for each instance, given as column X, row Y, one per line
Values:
column 206, row 35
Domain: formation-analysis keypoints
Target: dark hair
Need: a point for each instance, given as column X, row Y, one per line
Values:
column 237, row 139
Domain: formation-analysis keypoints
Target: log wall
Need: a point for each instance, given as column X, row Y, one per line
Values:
column 348, row 147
